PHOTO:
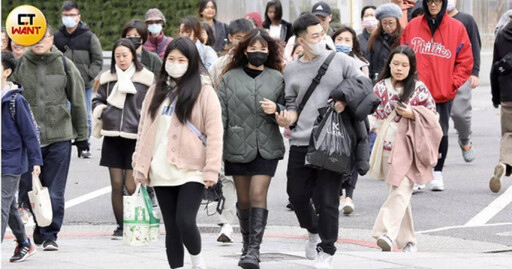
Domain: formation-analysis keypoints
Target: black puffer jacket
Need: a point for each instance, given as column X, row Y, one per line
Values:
column 121, row 122
column 361, row 102
column 378, row 57
column 501, row 86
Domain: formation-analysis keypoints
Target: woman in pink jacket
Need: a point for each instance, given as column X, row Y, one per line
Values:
column 179, row 146
column 399, row 90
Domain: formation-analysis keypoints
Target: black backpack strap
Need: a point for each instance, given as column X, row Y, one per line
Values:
column 161, row 47
column 315, row 82
column 65, row 64
column 12, row 106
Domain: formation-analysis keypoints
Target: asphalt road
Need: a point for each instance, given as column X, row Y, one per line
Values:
column 466, row 195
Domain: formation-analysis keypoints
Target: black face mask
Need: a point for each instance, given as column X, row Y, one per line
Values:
column 136, row 41
column 257, row 58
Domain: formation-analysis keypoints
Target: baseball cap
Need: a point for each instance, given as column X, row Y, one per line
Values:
column 321, row 8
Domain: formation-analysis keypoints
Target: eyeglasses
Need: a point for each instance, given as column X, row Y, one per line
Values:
column 70, row 15
column 388, row 24
column 436, row 2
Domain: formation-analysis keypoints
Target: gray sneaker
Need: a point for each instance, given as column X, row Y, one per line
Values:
column 467, row 154
column 495, row 182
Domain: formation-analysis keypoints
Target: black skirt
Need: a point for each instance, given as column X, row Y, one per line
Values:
column 117, row 152
column 258, row 166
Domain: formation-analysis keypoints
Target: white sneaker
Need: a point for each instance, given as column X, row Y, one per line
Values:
column 197, row 261
column 418, row 187
column 314, row 240
column 348, row 207
column 410, row 247
column 385, row 243
column 226, row 233
column 495, row 182
column 437, row 184
column 323, row 261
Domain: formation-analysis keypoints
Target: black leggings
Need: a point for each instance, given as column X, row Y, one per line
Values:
column 179, row 206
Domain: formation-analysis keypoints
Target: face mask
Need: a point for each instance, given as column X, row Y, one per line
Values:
column 317, row 48
column 343, row 48
column 136, row 41
column 69, row 22
column 155, row 28
column 257, row 58
column 370, row 23
column 451, row 5
column 176, row 70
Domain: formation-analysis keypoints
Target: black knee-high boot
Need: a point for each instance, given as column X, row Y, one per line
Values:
column 257, row 228
column 244, row 220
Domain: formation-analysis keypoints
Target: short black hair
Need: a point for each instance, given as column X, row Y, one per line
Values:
column 69, row 5
column 138, row 25
column 365, row 8
column 240, row 25
column 301, row 24
column 8, row 61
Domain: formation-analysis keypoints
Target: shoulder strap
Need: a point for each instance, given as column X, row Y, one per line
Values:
column 161, row 47
column 316, row 81
column 12, row 106
column 191, row 126
column 65, row 64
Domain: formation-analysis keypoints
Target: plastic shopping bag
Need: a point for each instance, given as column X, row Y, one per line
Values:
column 140, row 226
column 40, row 202
column 329, row 145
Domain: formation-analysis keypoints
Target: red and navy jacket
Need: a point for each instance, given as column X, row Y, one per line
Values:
column 445, row 59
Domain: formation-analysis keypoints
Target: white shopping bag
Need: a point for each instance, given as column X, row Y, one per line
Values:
column 139, row 224
column 40, row 202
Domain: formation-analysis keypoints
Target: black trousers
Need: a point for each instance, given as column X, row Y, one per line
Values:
column 306, row 183
column 444, row 110
column 179, row 206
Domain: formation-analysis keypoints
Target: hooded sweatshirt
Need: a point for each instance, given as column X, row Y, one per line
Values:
column 20, row 143
column 501, row 85
column 443, row 52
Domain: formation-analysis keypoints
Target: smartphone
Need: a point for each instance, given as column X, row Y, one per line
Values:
column 395, row 103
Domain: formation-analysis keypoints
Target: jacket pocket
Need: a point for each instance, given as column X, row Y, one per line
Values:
column 235, row 142
column 55, row 90
column 58, row 122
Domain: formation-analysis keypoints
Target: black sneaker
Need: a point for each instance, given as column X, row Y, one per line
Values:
column 118, row 233
column 86, row 154
column 36, row 236
column 22, row 252
column 50, row 245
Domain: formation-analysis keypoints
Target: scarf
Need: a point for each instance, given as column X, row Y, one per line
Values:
column 123, row 86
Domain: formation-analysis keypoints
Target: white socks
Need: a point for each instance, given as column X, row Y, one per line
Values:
column 197, row 261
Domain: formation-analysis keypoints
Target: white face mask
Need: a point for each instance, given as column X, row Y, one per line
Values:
column 176, row 70
column 451, row 5
column 155, row 28
column 69, row 22
column 317, row 48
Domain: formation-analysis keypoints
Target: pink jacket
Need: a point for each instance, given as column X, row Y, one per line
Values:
column 185, row 149
column 415, row 151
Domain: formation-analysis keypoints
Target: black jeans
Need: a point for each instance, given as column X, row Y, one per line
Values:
column 54, row 175
column 179, row 206
column 444, row 110
column 306, row 183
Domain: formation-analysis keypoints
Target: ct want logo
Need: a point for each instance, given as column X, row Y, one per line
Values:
column 26, row 25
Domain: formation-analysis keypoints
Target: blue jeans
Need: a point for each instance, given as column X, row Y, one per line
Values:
column 54, row 174
column 10, row 213
column 88, row 105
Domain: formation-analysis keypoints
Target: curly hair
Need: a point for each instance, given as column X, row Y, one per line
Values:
column 274, row 59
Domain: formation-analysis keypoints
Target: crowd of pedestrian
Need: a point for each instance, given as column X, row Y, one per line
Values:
column 212, row 105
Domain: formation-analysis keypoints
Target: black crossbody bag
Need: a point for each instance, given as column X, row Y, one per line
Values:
column 314, row 84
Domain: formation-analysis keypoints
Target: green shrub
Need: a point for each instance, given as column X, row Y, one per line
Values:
column 106, row 18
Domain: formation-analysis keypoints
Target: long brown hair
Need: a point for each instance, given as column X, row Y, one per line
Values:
column 274, row 59
column 394, row 40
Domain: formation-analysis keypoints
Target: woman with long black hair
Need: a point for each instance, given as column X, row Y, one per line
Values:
column 277, row 28
column 251, row 94
column 179, row 146
column 401, row 94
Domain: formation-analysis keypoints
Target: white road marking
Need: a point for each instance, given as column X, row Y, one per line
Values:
column 492, row 209
column 462, row 227
column 87, row 197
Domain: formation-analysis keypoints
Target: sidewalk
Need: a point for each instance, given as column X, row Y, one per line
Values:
column 90, row 246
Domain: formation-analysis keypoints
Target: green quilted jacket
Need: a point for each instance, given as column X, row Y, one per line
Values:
column 247, row 129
